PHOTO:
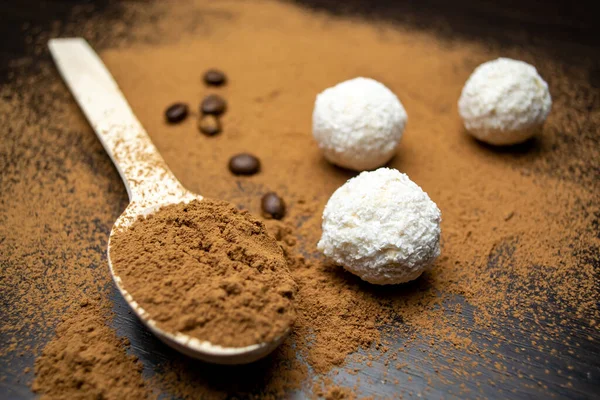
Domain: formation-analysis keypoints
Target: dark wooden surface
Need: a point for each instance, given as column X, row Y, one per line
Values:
column 566, row 22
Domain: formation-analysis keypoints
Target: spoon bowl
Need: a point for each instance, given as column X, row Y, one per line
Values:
column 149, row 182
column 181, row 342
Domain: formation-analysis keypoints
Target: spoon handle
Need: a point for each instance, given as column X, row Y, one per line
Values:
column 148, row 179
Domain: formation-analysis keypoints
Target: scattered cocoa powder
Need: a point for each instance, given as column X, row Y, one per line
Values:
column 207, row 270
column 87, row 360
column 515, row 291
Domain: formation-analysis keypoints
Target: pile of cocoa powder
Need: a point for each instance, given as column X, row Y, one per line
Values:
column 519, row 240
column 88, row 360
column 208, row 270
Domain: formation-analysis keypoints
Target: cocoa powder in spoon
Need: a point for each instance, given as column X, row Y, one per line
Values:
column 208, row 270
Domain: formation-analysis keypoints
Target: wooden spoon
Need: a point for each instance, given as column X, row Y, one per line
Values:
column 149, row 182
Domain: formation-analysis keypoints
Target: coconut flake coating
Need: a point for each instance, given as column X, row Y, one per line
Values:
column 382, row 227
column 358, row 124
column 504, row 102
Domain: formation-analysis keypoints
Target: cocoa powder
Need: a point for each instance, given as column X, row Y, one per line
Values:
column 520, row 245
column 87, row 360
column 207, row 270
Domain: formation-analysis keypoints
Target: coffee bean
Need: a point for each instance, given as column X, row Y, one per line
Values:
column 273, row 205
column 244, row 164
column 176, row 113
column 213, row 104
column 214, row 77
column 209, row 125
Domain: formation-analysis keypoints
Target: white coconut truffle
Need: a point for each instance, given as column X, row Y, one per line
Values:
column 382, row 227
column 504, row 102
column 358, row 124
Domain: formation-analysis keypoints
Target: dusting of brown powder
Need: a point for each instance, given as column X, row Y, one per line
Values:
column 520, row 244
column 87, row 360
column 208, row 270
